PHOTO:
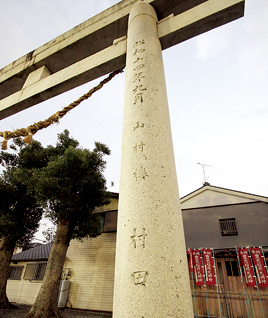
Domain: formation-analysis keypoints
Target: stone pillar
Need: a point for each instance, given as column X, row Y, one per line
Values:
column 151, row 273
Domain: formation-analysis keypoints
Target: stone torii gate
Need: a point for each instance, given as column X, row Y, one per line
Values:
column 151, row 275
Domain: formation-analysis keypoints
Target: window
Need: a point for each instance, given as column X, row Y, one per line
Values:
column 35, row 271
column 15, row 272
column 228, row 227
column 110, row 221
column 220, row 272
column 232, row 268
column 101, row 217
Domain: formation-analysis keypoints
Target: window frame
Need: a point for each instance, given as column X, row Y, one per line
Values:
column 14, row 270
column 35, row 271
column 233, row 265
column 228, row 227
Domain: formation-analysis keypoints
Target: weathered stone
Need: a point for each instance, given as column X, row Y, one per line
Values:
column 151, row 276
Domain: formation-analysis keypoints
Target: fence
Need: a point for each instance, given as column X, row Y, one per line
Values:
column 229, row 305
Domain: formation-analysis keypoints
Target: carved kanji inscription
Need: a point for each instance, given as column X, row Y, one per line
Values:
column 140, row 277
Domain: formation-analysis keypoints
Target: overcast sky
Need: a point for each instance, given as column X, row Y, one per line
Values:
column 217, row 91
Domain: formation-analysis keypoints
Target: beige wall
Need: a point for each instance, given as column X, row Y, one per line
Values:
column 92, row 275
column 213, row 198
column 92, row 272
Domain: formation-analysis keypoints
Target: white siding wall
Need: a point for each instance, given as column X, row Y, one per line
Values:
column 92, row 268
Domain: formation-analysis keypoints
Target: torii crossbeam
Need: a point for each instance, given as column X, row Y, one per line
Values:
column 151, row 274
column 98, row 46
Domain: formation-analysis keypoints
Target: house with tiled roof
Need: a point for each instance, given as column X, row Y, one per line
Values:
column 89, row 265
column 36, row 253
column 213, row 217
column 27, row 270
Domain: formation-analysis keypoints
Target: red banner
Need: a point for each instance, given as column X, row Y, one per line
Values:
column 258, row 262
column 209, row 266
column 190, row 252
column 198, row 269
column 244, row 257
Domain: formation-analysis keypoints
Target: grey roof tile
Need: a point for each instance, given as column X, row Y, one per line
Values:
column 37, row 253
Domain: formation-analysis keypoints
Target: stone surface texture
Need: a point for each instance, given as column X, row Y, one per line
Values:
column 151, row 275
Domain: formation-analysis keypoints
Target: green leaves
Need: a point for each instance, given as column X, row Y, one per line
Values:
column 64, row 180
column 99, row 147
column 20, row 213
column 72, row 185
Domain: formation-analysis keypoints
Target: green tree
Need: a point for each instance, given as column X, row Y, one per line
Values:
column 70, row 187
column 20, row 213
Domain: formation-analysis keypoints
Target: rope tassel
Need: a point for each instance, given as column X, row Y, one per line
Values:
column 32, row 129
column 28, row 140
column 4, row 144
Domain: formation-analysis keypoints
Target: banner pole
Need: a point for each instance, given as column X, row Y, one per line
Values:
column 256, row 281
column 264, row 260
column 205, row 279
column 217, row 282
column 195, row 308
column 241, row 275
column 192, row 274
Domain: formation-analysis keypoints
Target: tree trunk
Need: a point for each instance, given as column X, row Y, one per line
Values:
column 46, row 302
column 6, row 251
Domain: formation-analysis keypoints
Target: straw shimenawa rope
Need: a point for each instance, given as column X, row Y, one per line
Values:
column 32, row 129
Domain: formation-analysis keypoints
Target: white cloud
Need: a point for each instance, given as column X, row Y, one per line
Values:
column 31, row 24
column 212, row 43
column 253, row 55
